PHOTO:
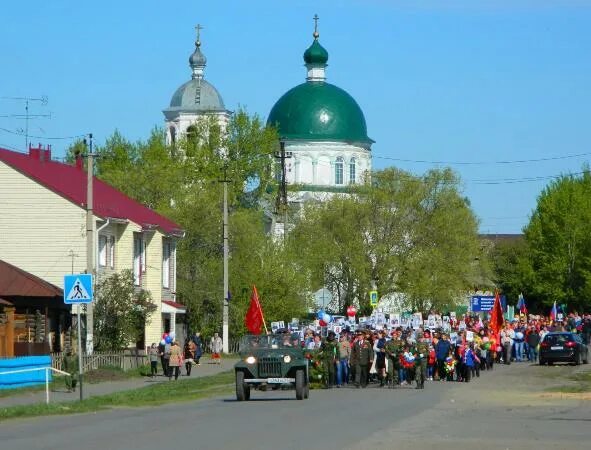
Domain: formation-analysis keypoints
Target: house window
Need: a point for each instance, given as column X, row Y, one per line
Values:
column 166, row 252
column 352, row 171
column 102, row 251
column 139, row 258
column 338, row 171
column 112, row 252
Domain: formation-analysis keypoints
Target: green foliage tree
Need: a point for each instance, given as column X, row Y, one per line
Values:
column 120, row 312
column 559, row 242
column 401, row 234
column 183, row 183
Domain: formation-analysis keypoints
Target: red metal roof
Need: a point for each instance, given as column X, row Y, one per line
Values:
column 70, row 182
column 173, row 304
column 15, row 282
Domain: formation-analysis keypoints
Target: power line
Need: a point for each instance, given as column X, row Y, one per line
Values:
column 474, row 163
column 45, row 137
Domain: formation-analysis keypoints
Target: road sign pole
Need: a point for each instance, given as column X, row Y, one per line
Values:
column 80, row 353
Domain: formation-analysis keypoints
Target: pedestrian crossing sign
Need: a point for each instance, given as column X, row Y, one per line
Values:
column 373, row 298
column 78, row 289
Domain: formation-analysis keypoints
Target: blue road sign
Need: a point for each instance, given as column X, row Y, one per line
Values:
column 77, row 289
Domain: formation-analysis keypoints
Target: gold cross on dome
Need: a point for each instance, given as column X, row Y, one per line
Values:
column 316, row 34
column 198, row 28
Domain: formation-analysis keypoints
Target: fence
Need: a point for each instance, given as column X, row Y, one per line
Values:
column 124, row 360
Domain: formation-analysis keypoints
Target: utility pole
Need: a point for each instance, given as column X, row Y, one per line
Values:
column 282, row 205
column 90, row 232
column 225, row 306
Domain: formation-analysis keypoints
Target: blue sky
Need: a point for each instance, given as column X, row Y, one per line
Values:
column 439, row 81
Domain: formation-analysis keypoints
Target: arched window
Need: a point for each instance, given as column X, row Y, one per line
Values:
column 172, row 131
column 338, row 171
column 352, row 170
column 191, row 132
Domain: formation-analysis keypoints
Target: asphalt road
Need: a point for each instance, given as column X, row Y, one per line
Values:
column 507, row 408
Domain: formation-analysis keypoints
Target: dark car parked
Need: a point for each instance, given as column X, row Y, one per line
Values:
column 563, row 347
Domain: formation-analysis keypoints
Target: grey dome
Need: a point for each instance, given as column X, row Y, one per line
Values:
column 197, row 58
column 196, row 95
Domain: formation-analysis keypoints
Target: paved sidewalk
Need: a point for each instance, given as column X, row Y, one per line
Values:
column 60, row 394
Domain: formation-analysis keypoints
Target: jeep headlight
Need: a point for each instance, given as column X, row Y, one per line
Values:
column 250, row 360
column 287, row 359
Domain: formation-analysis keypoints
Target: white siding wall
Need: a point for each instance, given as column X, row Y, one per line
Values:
column 38, row 228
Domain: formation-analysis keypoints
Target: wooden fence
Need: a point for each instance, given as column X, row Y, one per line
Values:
column 124, row 360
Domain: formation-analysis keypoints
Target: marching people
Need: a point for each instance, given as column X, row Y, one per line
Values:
column 362, row 357
column 380, row 357
column 393, row 349
column 330, row 352
column 216, row 348
column 189, row 355
column 507, row 335
column 343, row 362
column 421, row 352
column 198, row 348
column 175, row 360
column 153, row 353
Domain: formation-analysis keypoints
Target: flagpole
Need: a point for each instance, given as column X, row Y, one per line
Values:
column 262, row 315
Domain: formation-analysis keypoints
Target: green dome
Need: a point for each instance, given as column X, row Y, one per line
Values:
column 319, row 111
column 316, row 54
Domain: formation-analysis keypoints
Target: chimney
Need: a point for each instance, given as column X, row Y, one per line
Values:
column 39, row 153
column 78, row 161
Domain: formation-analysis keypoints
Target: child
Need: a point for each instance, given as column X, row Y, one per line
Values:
column 450, row 366
column 431, row 361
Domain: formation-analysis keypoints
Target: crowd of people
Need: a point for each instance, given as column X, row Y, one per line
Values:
column 172, row 357
column 398, row 357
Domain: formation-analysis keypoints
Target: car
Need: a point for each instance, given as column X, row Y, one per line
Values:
column 563, row 346
column 274, row 360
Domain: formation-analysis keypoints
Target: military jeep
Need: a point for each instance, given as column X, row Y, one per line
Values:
column 273, row 360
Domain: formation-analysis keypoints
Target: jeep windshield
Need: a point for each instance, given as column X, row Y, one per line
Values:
column 270, row 341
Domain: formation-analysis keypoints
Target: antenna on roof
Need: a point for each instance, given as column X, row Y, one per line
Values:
column 27, row 116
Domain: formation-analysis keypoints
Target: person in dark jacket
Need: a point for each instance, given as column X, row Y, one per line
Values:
column 533, row 339
column 362, row 355
column 441, row 351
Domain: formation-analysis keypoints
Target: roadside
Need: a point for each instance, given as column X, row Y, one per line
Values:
column 521, row 406
column 59, row 394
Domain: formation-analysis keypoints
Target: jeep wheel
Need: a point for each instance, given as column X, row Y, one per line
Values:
column 299, row 384
column 241, row 389
column 307, row 390
column 542, row 362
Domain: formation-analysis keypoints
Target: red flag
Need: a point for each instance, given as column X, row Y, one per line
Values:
column 254, row 316
column 496, row 315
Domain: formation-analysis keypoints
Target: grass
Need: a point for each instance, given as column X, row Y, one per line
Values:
column 582, row 384
column 157, row 394
column 101, row 375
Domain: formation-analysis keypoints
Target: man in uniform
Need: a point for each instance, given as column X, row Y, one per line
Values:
column 393, row 348
column 362, row 356
column 329, row 355
column 421, row 352
column 71, row 366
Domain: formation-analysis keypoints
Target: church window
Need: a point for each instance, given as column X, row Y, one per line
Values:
column 191, row 132
column 172, row 131
column 352, row 169
column 338, row 171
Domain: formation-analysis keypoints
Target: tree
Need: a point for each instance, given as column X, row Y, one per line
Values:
column 559, row 242
column 183, row 183
column 399, row 234
column 120, row 312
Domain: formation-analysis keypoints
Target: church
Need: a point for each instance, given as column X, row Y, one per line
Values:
column 322, row 128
